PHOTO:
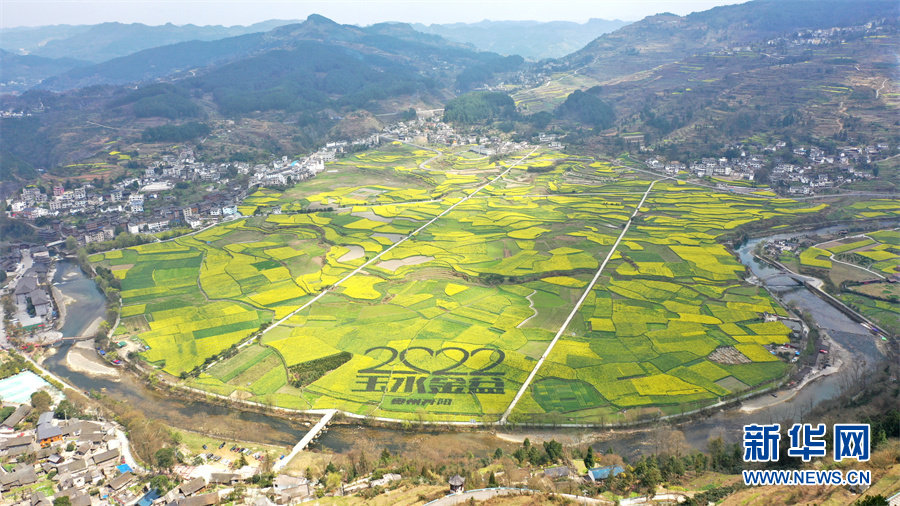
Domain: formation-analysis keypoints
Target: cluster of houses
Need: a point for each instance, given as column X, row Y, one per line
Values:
column 74, row 455
column 127, row 205
column 30, row 290
column 83, row 461
column 284, row 172
column 829, row 36
column 734, row 168
column 821, row 171
column 433, row 131
column 33, row 302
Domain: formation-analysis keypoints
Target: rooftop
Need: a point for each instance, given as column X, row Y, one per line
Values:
column 18, row 388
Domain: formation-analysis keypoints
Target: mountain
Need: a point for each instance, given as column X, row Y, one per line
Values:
column 295, row 84
column 809, row 71
column 399, row 44
column 21, row 72
column 105, row 41
column 157, row 62
column 666, row 37
column 531, row 39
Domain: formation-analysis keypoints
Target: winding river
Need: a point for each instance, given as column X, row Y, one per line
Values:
column 234, row 424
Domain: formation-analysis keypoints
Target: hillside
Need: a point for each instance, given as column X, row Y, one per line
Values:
column 300, row 80
column 667, row 37
column 692, row 84
column 678, row 84
column 396, row 42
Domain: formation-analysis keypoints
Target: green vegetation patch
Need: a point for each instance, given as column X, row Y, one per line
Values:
column 556, row 394
column 308, row 372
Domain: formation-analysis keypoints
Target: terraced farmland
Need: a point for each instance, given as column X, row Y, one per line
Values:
column 448, row 322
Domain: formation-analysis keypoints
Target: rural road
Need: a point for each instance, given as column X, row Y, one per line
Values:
column 379, row 255
column 488, row 493
column 575, row 309
column 833, row 259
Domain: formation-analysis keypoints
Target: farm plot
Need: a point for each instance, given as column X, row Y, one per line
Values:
column 652, row 331
column 876, row 257
column 448, row 323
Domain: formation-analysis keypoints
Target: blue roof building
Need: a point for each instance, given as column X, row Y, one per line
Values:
column 603, row 473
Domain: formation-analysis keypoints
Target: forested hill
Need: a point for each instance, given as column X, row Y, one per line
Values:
column 308, row 75
column 667, row 37
column 398, row 43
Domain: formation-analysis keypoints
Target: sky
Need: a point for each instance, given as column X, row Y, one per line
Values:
column 359, row 12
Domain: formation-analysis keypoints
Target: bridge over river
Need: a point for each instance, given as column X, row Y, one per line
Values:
column 308, row 438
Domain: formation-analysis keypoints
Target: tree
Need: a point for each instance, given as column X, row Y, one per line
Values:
column 554, row 450
column 65, row 410
column 62, row 501
column 241, row 462
column 589, row 458
column 872, row 500
column 165, row 458
column 647, row 474
column 161, row 483
column 520, row 454
column 333, row 481
column 498, row 453
column 41, row 401
column 71, row 243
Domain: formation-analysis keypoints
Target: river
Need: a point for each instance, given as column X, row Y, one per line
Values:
column 87, row 302
column 229, row 423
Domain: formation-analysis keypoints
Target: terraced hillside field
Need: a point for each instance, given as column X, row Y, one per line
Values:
column 430, row 292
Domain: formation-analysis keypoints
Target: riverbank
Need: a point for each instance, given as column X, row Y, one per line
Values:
column 839, row 357
column 182, row 407
column 83, row 358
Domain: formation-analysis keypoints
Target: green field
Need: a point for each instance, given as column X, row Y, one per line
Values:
column 874, row 256
column 447, row 324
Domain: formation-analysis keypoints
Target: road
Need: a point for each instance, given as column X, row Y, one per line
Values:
column 584, row 296
column 379, row 255
column 672, row 498
column 422, row 165
column 488, row 493
column 126, row 451
column 833, row 259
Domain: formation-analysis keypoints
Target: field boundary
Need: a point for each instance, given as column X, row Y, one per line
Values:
column 575, row 309
column 376, row 257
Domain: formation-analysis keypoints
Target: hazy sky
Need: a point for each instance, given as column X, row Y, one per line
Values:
column 361, row 12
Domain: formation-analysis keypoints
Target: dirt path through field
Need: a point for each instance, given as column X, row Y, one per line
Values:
column 575, row 309
column 376, row 258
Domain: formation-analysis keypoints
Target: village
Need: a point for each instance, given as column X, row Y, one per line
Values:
column 142, row 204
column 813, row 172
column 53, row 454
